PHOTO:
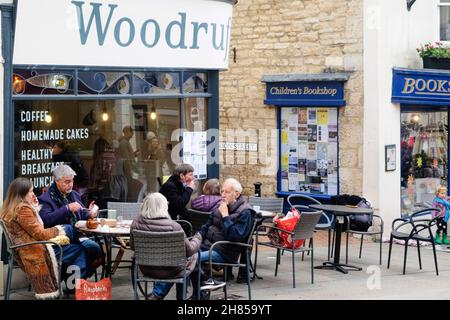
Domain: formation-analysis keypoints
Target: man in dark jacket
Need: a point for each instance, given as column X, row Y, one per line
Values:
column 178, row 190
column 62, row 205
column 231, row 221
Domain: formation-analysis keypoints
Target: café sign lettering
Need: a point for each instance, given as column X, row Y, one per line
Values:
column 131, row 33
column 414, row 86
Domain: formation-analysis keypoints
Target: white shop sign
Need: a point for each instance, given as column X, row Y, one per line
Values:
column 124, row 33
column 239, row 146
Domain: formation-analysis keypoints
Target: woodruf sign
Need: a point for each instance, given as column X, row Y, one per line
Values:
column 129, row 33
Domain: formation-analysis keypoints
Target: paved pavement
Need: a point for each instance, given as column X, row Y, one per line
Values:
column 373, row 282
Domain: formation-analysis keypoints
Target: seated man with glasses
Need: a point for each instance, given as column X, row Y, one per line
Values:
column 62, row 205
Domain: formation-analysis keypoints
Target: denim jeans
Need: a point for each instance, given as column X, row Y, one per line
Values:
column 73, row 255
column 161, row 289
column 204, row 257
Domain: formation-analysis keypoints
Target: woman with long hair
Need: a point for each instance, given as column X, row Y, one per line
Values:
column 20, row 213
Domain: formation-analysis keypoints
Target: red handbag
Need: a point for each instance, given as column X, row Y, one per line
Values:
column 87, row 290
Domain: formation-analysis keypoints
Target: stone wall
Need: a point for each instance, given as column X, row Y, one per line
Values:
column 295, row 36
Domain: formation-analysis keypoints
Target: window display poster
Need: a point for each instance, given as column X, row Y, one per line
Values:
column 293, row 181
column 311, row 168
column 312, row 116
column 322, row 116
column 312, row 132
column 309, row 150
column 302, row 117
column 332, row 133
column 302, row 149
column 303, row 132
column 322, row 133
column 312, row 151
column 194, row 152
column 322, row 150
column 332, row 116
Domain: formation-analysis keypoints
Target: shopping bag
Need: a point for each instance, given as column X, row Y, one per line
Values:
column 287, row 223
column 87, row 290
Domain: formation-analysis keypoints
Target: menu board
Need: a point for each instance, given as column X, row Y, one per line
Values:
column 309, row 141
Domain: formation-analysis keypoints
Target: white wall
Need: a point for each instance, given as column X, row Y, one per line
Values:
column 391, row 36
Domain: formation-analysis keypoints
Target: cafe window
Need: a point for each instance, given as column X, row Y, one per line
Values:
column 424, row 157
column 94, row 138
column 309, row 150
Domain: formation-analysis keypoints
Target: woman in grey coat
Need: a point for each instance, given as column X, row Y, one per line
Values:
column 155, row 217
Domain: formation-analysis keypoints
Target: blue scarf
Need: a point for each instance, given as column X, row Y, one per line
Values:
column 446, row 204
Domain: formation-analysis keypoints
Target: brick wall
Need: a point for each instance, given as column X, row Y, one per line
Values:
column 272, row 37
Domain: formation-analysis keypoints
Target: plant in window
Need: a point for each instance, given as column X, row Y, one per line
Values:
column 436, row 50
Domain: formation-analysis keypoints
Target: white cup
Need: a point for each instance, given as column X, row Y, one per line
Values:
column 112, row 213
column 81, row 224
column 257, row 208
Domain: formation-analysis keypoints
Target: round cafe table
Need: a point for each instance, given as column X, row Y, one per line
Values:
column 108, row 234
column 340, row 211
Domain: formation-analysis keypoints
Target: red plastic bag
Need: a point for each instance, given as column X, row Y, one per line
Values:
column 87, row 290
column 283, row 239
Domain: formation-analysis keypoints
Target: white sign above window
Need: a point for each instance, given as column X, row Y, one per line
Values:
column 119, row 33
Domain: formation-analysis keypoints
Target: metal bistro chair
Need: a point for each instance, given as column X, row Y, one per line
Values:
column 417, row 228
column 267, row 203
column 162, row 250
column 11, row 261
column 198, row 218
column 326, row 221
column 365, row 233
column 245, row 247
column 128, row 211
column 303, row 230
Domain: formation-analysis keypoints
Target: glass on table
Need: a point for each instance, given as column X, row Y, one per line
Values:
column 119, row 221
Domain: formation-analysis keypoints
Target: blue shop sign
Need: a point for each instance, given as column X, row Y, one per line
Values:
column 421, row 86
column 305, row 93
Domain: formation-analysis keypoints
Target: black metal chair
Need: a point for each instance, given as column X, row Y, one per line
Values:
column 302, row 231
column 245, row 247
column 365, row 233
column 198, row 218
column 416, row 228
column 161, row 250
column 11, row 261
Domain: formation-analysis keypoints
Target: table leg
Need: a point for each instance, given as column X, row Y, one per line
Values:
column 108, row 246
column 337, row 252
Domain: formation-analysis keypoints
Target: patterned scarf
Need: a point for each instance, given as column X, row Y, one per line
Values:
column 61, row 200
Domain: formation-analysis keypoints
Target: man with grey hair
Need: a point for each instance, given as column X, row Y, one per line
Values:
column 178, row 190
column 62, row 205
column 231, row 221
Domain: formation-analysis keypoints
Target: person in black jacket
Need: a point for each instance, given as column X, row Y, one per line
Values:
column 178, row 190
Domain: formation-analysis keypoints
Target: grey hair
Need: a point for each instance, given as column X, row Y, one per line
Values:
column 183, row 168
column 234, row 183
column 155, row 205
column 63, row 170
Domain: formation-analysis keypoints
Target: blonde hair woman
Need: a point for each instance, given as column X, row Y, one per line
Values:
column 154, row 217
column 20, row 213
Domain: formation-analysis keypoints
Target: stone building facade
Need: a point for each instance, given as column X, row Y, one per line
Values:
column 289, row 37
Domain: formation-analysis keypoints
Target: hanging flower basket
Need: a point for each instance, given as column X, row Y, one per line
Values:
column 435, row 56
column 436, row 63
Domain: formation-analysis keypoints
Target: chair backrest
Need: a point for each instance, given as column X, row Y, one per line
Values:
column 301, row 199
column 302, row 202
column 6, row 233
column 159, row 249
column 128, row 210
column 267, row 203
column 306, row 225
column 198, row 218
